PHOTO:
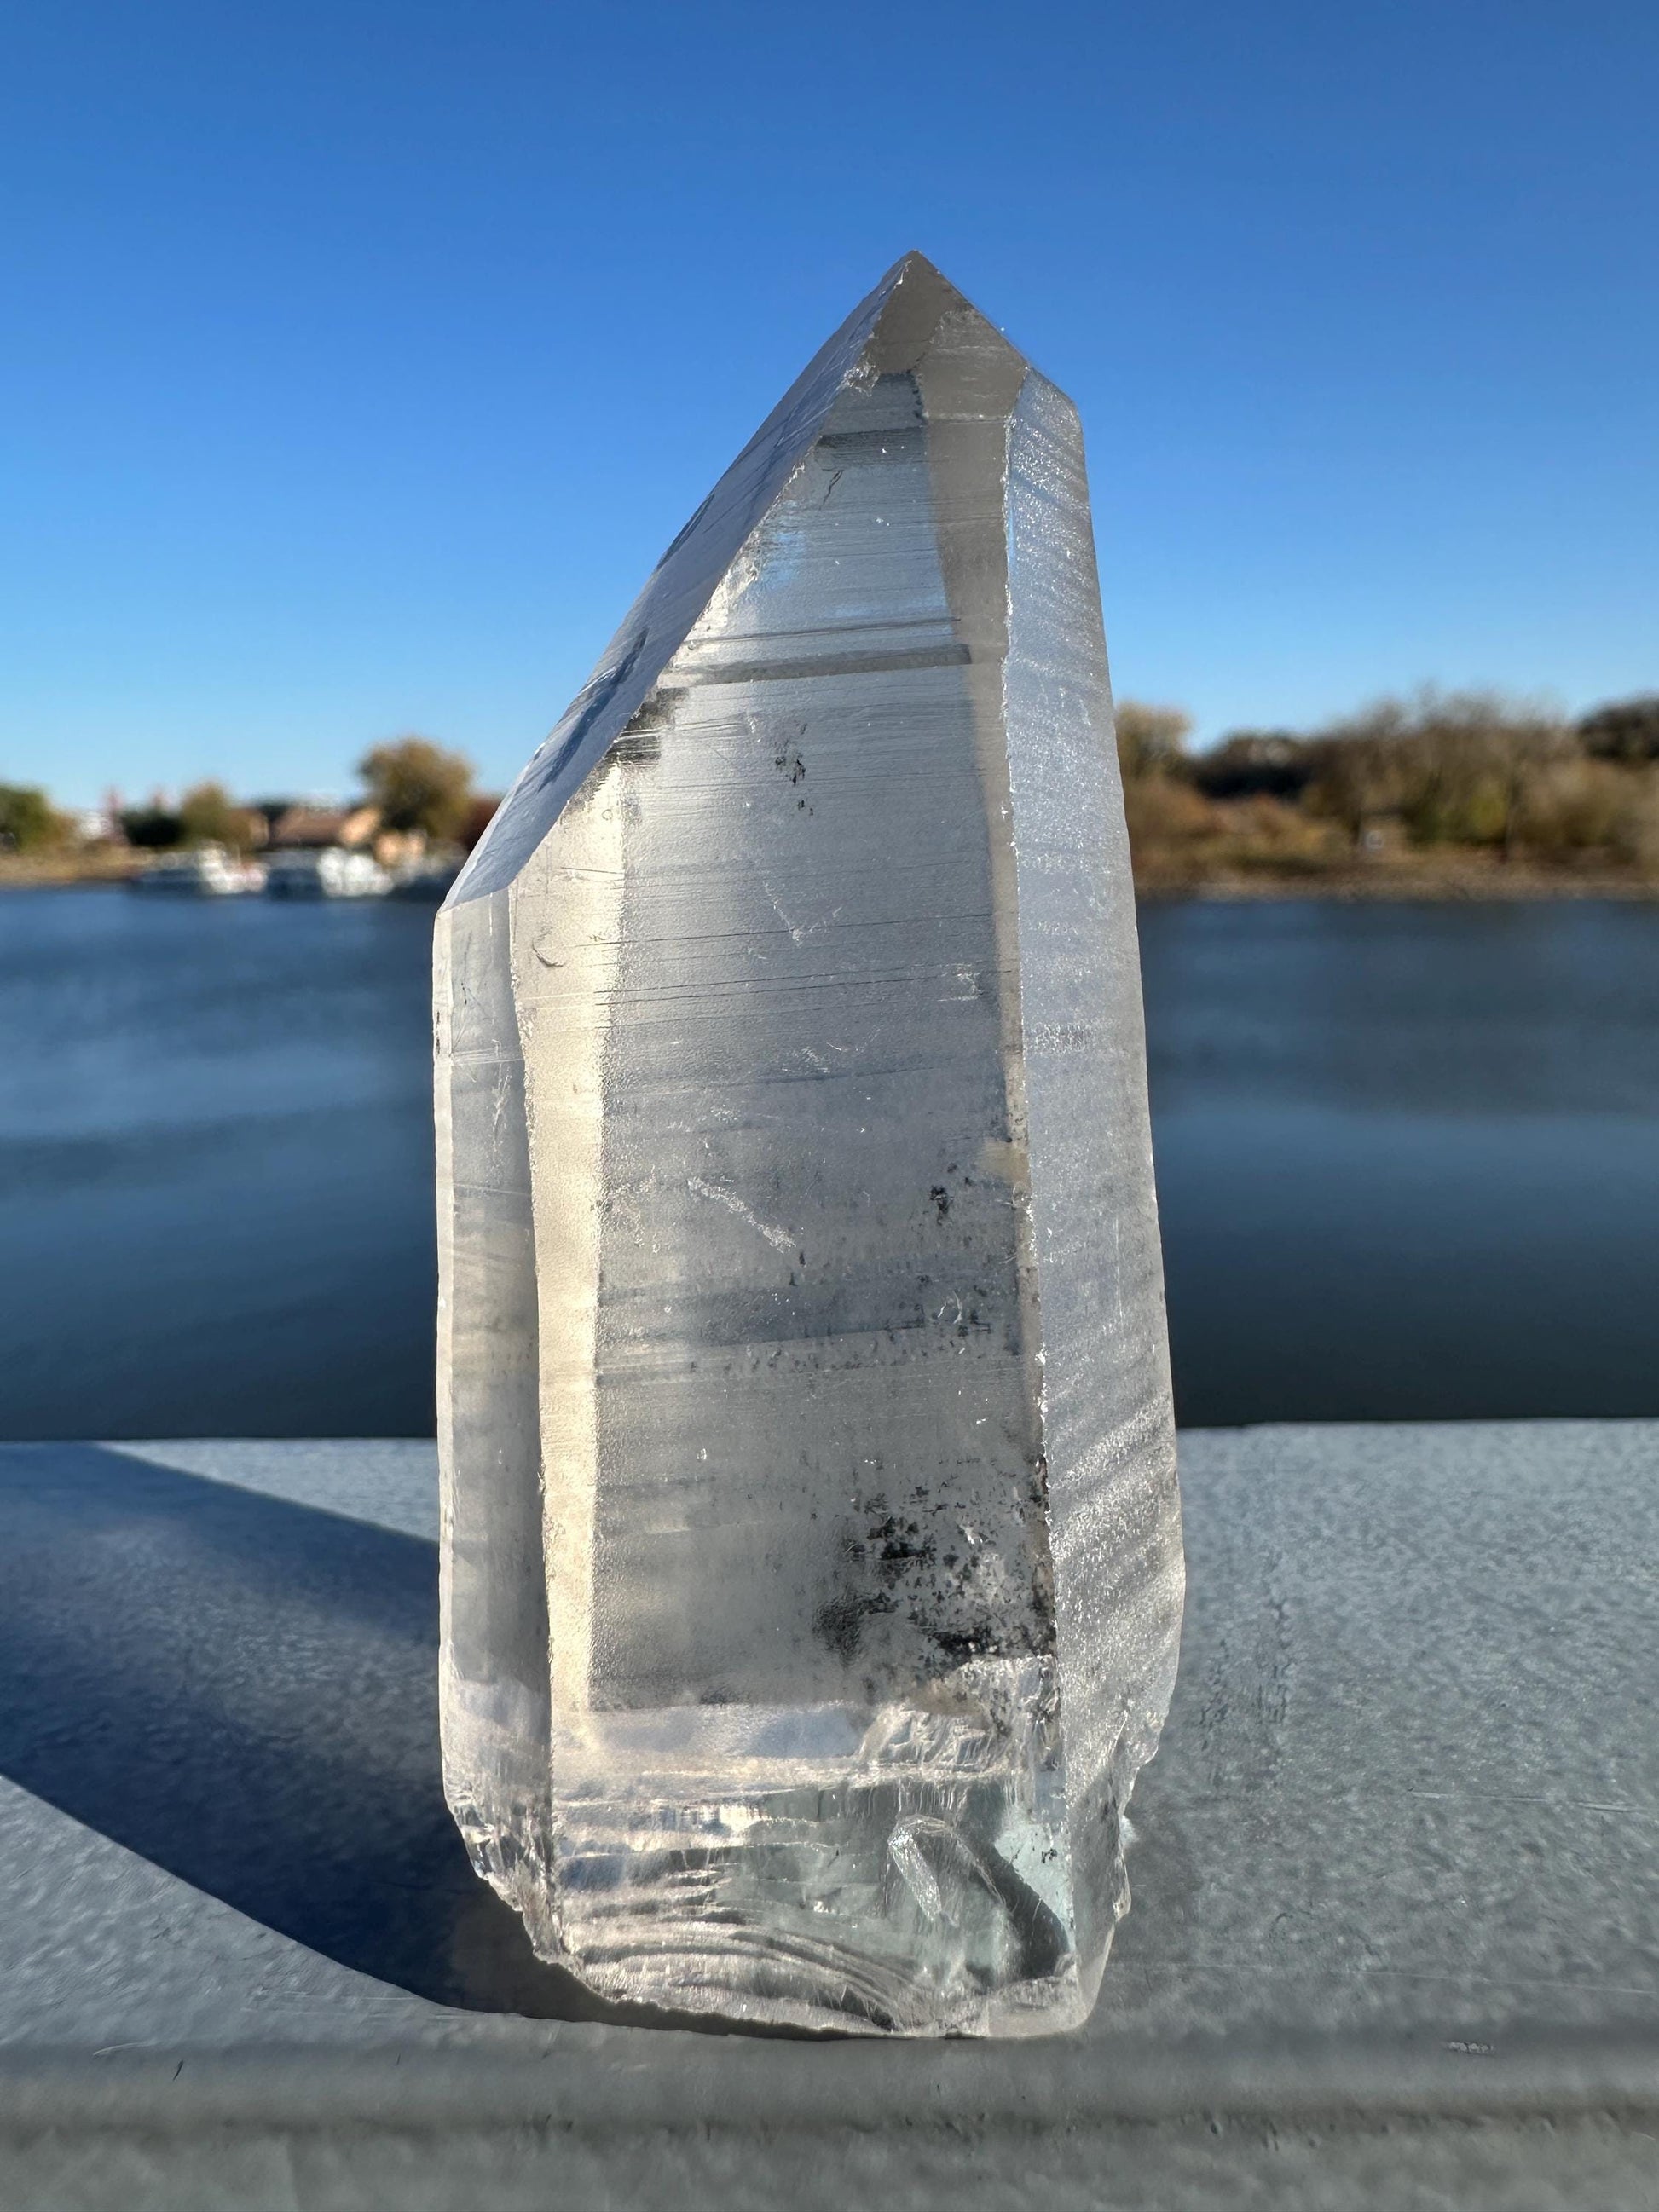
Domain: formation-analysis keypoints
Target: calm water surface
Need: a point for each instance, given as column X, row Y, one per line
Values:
column 1407, row 1158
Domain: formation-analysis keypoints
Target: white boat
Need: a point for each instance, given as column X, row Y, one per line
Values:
column 203, row 872
column 427, row 882
column 336, row 871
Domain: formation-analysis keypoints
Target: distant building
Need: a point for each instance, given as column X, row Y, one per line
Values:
column 310, row 826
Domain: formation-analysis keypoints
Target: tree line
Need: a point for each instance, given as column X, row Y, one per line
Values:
column 1439, row 773
column 1444, row 774
column 414, row 786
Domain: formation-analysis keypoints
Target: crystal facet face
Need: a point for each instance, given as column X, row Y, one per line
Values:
column 811, row 1570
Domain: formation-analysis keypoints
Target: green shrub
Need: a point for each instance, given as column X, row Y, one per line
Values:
column 29, row 821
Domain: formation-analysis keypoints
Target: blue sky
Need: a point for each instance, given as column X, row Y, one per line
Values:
column 358, row 359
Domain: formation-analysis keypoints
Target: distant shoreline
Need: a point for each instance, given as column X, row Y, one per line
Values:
column 1461, row 881
column 1510, row 887
column 56, row 872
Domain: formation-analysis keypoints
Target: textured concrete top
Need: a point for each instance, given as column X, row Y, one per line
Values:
column 1400, row 1849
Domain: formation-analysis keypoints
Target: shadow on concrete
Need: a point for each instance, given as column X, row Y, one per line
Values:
column 244, row 1690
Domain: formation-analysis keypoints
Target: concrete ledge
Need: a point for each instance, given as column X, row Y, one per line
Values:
column 766, row 2093
column 1397, row 1874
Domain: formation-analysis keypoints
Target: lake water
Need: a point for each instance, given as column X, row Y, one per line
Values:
column 1408, row 1163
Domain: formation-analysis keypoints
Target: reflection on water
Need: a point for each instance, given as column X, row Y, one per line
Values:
column 1407, row 1162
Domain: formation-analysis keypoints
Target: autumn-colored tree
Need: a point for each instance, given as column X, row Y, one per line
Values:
column 1458, row 767
column 1519, row 747
column 1358, row 767
column 418, row 785
column 1151, row 740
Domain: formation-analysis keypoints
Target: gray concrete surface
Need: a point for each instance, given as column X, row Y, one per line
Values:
column 1395, row 1931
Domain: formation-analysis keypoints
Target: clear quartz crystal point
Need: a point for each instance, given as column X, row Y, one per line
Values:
column 812, row 1547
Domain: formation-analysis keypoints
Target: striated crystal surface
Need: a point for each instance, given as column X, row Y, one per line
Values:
column 812, row 1568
